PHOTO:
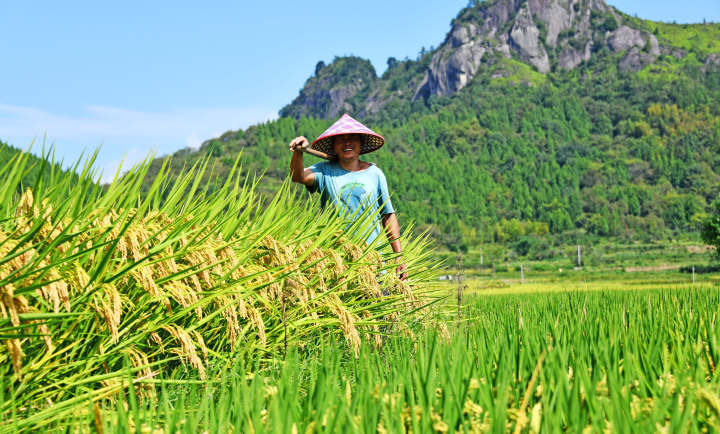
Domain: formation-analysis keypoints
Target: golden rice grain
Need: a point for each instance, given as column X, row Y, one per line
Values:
column 194, row 282
column 256, row 319
column 155, row 338
column 7, row 306
column 21, row 260
column 183, row 295
column 536, row 418
column 78, row 278
column 347, row 323
column 199, row 260
column 201, row 344
column 56, row 292
column 47, row 340
column 187, row 349
column 16, row 355
column 25, row 206
column 227, row 307
column 339, row 263
column 139, row 360
column 376, row 337
column 354, row 251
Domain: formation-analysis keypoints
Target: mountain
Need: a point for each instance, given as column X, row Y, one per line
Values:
column 548, row 35
column 532, row 117
column 33, row 167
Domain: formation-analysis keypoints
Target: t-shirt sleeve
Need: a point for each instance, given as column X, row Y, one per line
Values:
column 319, row 172
column 385, row 204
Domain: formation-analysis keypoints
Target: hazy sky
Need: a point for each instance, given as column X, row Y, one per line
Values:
column 138, row 76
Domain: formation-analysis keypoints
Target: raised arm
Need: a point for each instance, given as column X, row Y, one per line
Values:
column 392, row 229
column 298, row 172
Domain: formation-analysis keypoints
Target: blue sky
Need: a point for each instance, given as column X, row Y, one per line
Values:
column 137, row 77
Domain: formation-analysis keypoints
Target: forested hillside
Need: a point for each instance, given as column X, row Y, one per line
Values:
column 625, row 142
column 8, row 155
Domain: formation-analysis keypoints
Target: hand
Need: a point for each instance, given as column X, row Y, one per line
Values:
column 401, row 269
column 298, row 144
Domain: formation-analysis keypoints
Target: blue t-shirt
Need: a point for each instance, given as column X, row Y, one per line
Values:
column 353, row 193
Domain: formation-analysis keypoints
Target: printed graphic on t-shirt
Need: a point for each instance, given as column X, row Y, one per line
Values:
column 351, row 194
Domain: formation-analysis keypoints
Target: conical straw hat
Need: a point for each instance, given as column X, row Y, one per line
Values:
column 371, row 141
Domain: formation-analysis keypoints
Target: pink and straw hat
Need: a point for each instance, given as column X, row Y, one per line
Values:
column 371, row 141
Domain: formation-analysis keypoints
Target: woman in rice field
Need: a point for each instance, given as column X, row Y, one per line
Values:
column 345, row 180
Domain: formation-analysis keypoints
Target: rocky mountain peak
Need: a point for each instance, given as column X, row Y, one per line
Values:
column 334, row 89
column 543, row 33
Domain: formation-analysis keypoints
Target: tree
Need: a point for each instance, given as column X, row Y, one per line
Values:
column 711, row 229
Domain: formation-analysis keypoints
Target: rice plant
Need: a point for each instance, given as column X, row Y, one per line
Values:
column 105, row 286
column 616, row 361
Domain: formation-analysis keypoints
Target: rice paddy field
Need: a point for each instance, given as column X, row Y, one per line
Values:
column 193, row 308
column 578, row 361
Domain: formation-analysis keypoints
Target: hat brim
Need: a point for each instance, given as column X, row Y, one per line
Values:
column 368, row 143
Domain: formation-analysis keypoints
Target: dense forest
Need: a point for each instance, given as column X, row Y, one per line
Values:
column 36, row 166
column 633, row 155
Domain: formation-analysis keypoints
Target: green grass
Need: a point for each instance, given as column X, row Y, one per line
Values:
column 606, row 266
column 634, row 361
column 514, row 72
column 702, row 39
column 598, row 256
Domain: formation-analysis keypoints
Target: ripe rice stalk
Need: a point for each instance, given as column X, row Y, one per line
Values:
column 347, row 323
column 187, row 350
column 55, row 291
column 176, row 268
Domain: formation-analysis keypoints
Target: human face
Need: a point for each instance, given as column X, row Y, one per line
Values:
column 347, row 146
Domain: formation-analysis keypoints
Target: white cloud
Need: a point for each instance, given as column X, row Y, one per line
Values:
column 193, row 141
column 122, row 132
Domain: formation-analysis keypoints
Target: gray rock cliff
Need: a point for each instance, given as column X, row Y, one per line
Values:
column 542, row 33
column 545, row 34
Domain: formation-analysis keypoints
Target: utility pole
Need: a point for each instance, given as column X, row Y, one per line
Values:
column 579, row 256
column 693, row 274
column 522, row 274
column 459, row 283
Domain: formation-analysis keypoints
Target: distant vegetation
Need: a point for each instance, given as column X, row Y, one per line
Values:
column 711, row 229
column 590, row 152
column 35, row 166
column 635, row 156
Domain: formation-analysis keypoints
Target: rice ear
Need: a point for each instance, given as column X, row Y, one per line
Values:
column 255, row 318
column 25, row 206
column 155, row 338
column 47, row 340
column 187, row 348
column 16, row 355
column 347, row 323
column 227, row 306
column 201, row 344
column 8, row 304
column 56, row 292
column 78, row 278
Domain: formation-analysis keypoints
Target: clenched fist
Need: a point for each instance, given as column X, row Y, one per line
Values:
column 299, row 144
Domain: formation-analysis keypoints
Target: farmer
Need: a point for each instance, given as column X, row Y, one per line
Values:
column 345, row 181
